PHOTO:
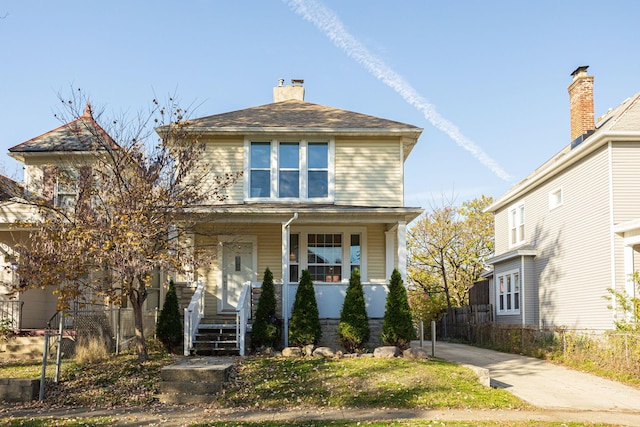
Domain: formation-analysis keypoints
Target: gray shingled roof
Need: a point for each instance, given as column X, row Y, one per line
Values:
column 82, row 134
column 625, row 117
column 299, row 115
column 9, row 188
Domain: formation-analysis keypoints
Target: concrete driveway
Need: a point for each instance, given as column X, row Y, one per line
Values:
column 542, row 383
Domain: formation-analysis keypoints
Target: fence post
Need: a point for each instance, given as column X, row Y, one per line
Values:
column 433, row 338
column 45, row 352
column 59, row 350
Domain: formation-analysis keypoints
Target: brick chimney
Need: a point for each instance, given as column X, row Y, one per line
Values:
column 581, row 103
column 285, row 93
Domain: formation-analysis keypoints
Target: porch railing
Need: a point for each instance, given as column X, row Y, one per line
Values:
column 243, row 313
column 12, row 311
column 192, row 316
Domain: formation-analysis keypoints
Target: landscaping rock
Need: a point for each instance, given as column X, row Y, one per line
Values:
column 308, row 350
column 325, row 352
column 386, row 352
column 415, row 353
column 292, row 352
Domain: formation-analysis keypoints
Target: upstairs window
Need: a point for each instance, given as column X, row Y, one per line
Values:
column 555, row 198
column 516, row 225
column 290, row 170
column 66, row 188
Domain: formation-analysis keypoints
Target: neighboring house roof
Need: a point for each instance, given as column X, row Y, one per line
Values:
column 9, row 189
column 82, row 134
column 621, row 123
column 295, row 116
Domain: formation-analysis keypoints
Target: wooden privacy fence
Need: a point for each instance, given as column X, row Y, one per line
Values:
column 463, row 322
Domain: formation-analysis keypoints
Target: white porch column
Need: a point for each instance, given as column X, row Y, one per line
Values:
column 402, row 249
column 390, row 244
column 285, row 278
column 397, row 233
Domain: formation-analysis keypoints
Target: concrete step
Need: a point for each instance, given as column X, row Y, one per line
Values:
column 194, row 379
column 23, row 347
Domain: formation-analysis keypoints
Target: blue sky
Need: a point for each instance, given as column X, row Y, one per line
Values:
column 493, row 74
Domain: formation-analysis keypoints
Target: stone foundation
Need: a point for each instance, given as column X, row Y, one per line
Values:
column 330, row 333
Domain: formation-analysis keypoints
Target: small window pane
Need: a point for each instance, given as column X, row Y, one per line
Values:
column 318, row 185
column 354, row 253
column 260, row 155
column 289, row 157
column 289, row 184
column 293, row 247
column 293, row 273
column 260, row 184
column 318, row 155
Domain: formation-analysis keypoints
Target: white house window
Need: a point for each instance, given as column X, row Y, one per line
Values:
column 66, row 188
column 516, row 225
column 508, row 292
column 260, row 175
column 329, row 255
column 555, row 198
column 289, row 170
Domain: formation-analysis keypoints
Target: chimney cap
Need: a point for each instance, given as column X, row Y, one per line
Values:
column 581, row 69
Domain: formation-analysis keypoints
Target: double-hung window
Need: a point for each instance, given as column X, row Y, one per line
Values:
column 508, row 292
column 289, row 170
column 516, row 225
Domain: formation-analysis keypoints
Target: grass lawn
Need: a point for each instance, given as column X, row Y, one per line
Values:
column 267, row 383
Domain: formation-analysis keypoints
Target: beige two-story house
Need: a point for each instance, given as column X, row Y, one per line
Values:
column 570, row 230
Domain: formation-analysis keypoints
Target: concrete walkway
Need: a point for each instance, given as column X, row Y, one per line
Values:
column 542, row 383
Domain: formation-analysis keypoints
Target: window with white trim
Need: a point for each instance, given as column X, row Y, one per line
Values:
column 66, row 188
column 329, row 255
column 555, row 198
column 516, row 225
column 508, row 292
column 289, row 170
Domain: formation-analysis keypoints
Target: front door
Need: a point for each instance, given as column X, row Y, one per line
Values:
column 237, row 269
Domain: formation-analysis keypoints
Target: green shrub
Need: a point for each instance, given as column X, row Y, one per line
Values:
column 397, row 328
column 266, row 329
column 353, row 329
column 304, row 328
column 169, row 328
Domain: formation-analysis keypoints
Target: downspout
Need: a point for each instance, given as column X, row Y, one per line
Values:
column 285, row 277
column 522, row 303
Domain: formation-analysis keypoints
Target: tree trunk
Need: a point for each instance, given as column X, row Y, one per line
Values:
column 137, row 299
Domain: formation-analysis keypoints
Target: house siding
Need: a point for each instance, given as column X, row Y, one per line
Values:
column 226, row 156
column 625, row 158
column 368, row 173
column 572, row 244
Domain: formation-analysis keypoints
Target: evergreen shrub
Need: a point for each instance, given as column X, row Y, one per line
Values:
column 266, row 330
column 169, row 328
column 353, row 329
column 304, row 328
column 397, row 328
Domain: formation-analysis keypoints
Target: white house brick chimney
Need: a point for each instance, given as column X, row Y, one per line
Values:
column 581, row 103
column 285, row 93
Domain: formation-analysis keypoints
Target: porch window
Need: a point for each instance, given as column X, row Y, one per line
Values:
column 289, row 170
column 516, row 225
column 329, row 256
column 324, row 257
column 508, row 292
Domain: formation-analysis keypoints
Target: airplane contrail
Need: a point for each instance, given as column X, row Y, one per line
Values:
column 329, row 23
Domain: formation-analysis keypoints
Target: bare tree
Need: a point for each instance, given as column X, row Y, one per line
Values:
column 126, row 216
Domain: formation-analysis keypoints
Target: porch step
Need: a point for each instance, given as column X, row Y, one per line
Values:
column 216, row 336
column 194, row 379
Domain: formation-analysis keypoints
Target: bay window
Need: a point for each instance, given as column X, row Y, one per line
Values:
column 508, row 292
